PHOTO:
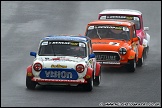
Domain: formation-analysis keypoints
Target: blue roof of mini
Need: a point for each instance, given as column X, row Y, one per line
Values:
column 67, row 38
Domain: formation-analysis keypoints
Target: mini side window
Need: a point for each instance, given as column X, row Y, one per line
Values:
column 90, row 51
column 90, row 45
column 134, row 33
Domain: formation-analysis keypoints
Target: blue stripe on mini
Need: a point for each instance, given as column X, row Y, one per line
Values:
column 58, row 73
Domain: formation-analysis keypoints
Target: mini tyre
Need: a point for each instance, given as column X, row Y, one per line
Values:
column 145, row 52
column 89, row 85
column 97, row 79
column 140, row 61
column 30, row 84
column 131, row 65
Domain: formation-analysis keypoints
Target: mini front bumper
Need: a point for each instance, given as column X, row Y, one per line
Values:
column 79, row 81
column 114, row 64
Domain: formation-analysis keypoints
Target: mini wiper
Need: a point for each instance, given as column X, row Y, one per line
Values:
column 122, row 39
column 98, row 34
column 110, row 38
column 54, row 54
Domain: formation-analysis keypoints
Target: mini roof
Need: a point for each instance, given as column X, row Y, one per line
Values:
column 111, row 22
column 121, row 11
column 67, row 38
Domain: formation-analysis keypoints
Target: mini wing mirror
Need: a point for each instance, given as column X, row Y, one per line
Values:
column 33, row 54
column 92, row 55
column 136, row 39
column 146, row 28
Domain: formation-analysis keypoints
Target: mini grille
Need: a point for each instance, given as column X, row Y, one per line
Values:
column 107, row 56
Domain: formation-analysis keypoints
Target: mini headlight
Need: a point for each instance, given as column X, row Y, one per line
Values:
column 122, row 50
column 37, row 66
column 80, row 68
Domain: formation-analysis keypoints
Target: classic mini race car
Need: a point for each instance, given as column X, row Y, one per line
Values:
column 131, row 15
column 115, row 43
column 64, row 60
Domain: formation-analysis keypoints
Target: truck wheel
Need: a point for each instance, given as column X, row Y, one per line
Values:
column 30, row 84
column 131, row 65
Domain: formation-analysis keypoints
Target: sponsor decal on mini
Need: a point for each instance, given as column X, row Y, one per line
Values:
column 58, row 74
column 114, row 43
column 58, row 66
column 109, row 62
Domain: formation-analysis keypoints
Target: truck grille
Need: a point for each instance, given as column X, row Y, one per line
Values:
column 107, row 56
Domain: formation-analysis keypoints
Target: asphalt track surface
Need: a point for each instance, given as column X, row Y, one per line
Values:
column 24, row 23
